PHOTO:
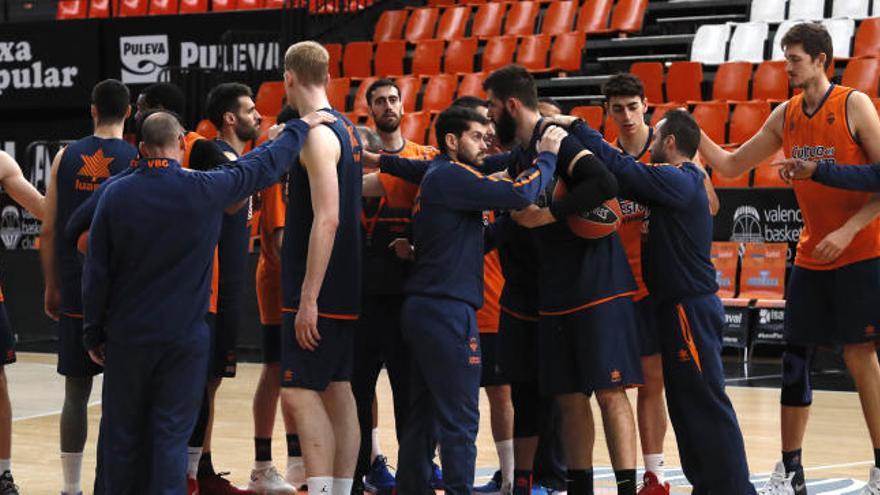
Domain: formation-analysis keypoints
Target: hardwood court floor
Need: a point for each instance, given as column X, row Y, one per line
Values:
column 837, row 444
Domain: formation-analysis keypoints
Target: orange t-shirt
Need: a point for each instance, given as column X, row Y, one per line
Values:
column 493, row 283
column 632, row 231
column 398, row 192
column 825, row 136
column 272, row 211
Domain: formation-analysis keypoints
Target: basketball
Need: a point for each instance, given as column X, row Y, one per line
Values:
column 595, row 223
column 83, row 242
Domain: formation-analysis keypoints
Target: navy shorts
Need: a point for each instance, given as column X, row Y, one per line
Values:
column 649, row 337
column 271, row 344
column 517, row 354
column 73, row 358
column 330, row 362
column 592, row 349
column 223, row 356
column 491, row 374
column 7, row 339
column 840, row 306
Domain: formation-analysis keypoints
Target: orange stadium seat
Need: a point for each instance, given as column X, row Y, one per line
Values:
column 712, row 118
column 763, row 270
column 223, row 5
column 532, row 52
column 265, row 124
column 747, row 119
column 389, row 58
column 452, row 23
column 770, row 82
column 567, row 52
column 250, row 4
column 71, row 9
column 460, row 56
column 559, row 17
column 683, row 82
column 660, row 111
column 357, row 60
column 409, row 91
column 414, row 126
column 421, row 24
column 487, row 20
column 390, row 25
column 628, row 16
column 592, row 115
column 360, row 107
column 610, row 131
column 720, row 181
column 472, row 84
column 163, row 7
column 427, row 56
column 206, row 129
column 766, row 175
column 725, row 258
column 335, row 52
column 270, row 97
column 193, row 6
column 498, row 52
column 337, row 92
column 863, row 75
column 867, row 42
column 439, row 92
column 432, row 133
column 877, row 104
column 651, row 74
column 276, row 4
column 440, row 3
column 521, row 18
column 593, row 16
column 132, row 8
column 100, row 9
column 732, row 81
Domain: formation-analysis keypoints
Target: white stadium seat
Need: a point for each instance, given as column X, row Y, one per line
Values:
column 710, row 43
column 777, row 39
column 857, row 9
column 841, row 31
column 806, row 9
column 747, row 42
column 767, row 10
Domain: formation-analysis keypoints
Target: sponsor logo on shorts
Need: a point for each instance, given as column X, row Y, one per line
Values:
column 616, row 376
column 683, row 356
column 288, row 375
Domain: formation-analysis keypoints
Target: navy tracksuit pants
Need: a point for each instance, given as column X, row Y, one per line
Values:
column 444, row 394
column 710, row 443
column 151, row 400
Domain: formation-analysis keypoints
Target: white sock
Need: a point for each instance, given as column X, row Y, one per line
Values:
column 192, row 466
column 5, row 465
column 342, row 486
column 377, row 448
column 320, row 485
column 262, row 465
column 505, row 457
column 654, row 463
column 295, row 467
column 71, row 467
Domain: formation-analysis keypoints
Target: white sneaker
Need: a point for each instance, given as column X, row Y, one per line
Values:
column 873, row 486
column 296, row 472
column 269, row 482
column 779, row 482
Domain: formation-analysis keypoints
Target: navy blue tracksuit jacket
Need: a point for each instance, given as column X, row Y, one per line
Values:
column 852, row 177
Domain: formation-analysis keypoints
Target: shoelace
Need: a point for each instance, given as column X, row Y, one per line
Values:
column 775, row 484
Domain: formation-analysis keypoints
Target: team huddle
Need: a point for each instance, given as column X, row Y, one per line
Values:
column 525, row 255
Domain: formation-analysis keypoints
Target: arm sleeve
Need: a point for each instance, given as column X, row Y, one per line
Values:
column 659, row 184
column 496, row 163
column 81, row 218
column 852, row 177
column 466, row 188
column 206, row 155
column 592, row 182
column 96, row 275
column 406, row 169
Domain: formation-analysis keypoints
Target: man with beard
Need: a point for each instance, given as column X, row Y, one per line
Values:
column 445, row 288
column 386, row 227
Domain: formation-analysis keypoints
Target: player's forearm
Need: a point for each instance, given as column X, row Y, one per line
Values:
column 865, row 215
column 404, row 168
column 852, row 177
column 27, row 196
column 321, row 240
column 47, row 256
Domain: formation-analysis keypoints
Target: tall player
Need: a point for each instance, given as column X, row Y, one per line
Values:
column 837, row 255
column 76, row 171
column 321, row 268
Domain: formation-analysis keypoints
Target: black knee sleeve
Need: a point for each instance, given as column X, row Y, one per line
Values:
column 525, row 409
column 797, row 390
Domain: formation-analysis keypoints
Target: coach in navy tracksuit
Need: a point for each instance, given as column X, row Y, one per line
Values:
column 855, row 178
column 444, row 290
column 679, row 273
column 146, row 282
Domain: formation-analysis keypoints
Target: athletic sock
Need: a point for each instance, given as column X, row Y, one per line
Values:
column 505, row 458
column 71, row 467
column 320, row 485
column 377, row 447
column 580, row 481
column 654, row 463
column 193, row 454
column 877, row 457
column 293, row 448
column 522, row 482
column 792, row 460
column 262, row 449
column 626, row 481
column 206, row 466
column 262, row 465
column 342, row 486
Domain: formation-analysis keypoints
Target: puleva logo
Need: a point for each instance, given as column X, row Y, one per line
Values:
column 143, row 57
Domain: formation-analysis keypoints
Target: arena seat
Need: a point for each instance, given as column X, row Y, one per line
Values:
column 683, row 82
column 567, row 52
column 867, row 43
column 660, row 111
column 763, row 270
column 359, row 105
column 335, row 52
column 746, row 120
column 498, row 52
column 747, row 42
column 767, row 11
column 710, row 43
column 609, row 130
column 439, row 92
column 337, row 92
column 250, row 4
column 193, row 6
column 452, row 23
column 720, row 181
column 628, row 16
column 390, row 25
column 770, row 82
column 276, row 4
column 712, row 118
column 270, row 97
column 841, row 31
column 725, row 258
column 487, row 20
column 420, row 25
column 766, row 175
column 592, row 115
column 732, row 81
column 521, row 18
column 414, row 126
column 100, row 9
column 460, row 56
column 206, row 129
column 409, row 91
column 855, row 9
column 806, row 9
column 532, row 52
column 71, row 9
column 389, row 58
column 862, row 74
column 472, row 84
column 427, row 57
column 132, row 8
column 440, row 3
column 593, row 16
column 783, row 28
column 651, row 74
column 223, row 5
column 358, row 58
column 164, row 7
column 559, row 17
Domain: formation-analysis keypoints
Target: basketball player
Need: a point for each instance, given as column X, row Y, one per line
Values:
column 76, row 172
column 321, row 277
column 837, row 255
column 144, row 307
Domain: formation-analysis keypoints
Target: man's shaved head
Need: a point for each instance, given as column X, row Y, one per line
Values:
column 161, row 130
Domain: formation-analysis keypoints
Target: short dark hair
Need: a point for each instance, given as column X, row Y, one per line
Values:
column 513, row 81
column 160, row 130
column 456, row 120
column 814, row 38
column 469, row 101
column 224, row 98
column 380, row 83
column 165, row 95
column 111, row 99
column 681, row 124
column 623, row 84
column 287, row 112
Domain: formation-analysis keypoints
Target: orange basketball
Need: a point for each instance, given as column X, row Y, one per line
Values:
column 83, row 242
column 596, row 223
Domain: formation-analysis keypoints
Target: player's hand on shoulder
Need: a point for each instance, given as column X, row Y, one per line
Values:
column 551, row 139
column 275, row 131
column 370, row 159
column 794, row 169
column 319, row 117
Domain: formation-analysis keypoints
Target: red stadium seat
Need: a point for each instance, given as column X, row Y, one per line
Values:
column 276, row 4
column 163, row 7
column 487, row 21
column 390, row 25
column 356, row 62
column 426, row 57
column 593, row 16
column 732, row 81
column 592, row 115
column 421, row 24
column 193, row 6
column 452, row 23
column 683, row 82
column 532, row 52
column 867, row 42
column 770, row 82
column 610, row 131
column 498, row 52
column 360, row 107
column 559, row 17
column 270, row 97
column 567, row 52
column 71, row 9
column 389, row 58
column 432, row 132
column 132, row 8
column 409, row 91
column 712, row 118
column 472, row 85
column 250, row 4
column 206, row 129
column 335, row 52
column 660, row 111
column 337, row 91
column 863, row 75
column 460, row 56
column 628, row 16
column 747, row 119
column 414, row 126
column 440, row 3
column 265, row 123
column 223, row 5
column 651, row 74
column 439, row 92
column 100, row 9
column 521, row 18
column 719, row 181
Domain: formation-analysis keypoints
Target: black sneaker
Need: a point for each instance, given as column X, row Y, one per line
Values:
column 7, row 485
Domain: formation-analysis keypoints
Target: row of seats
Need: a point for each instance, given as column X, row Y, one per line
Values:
column 518, row 18
column 713, row 44
column 750, row 270
column 780, row 10
column 98, row 9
